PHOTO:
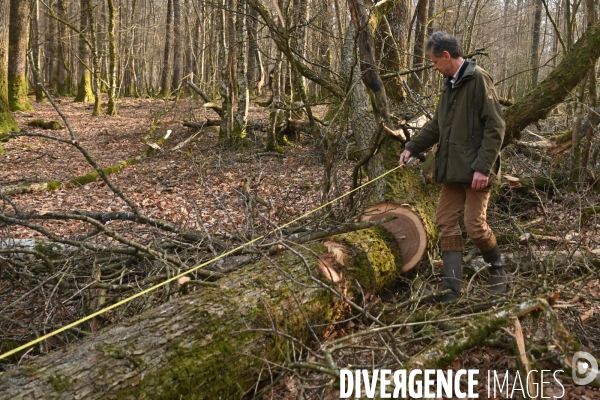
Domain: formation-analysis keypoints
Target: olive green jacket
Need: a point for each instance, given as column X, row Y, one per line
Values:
column 468, row 127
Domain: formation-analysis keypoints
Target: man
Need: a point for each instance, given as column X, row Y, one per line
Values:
column 468, row 128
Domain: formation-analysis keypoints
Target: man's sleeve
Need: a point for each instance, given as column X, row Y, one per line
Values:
column 427, row 137
column 493, row 133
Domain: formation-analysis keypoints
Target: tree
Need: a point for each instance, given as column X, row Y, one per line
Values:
column 178, row 42
column 84, row 83
column 62, row 73
column 536, row 104
column 535, row 43
column 214, row 342
column 112, row 64
column 165, row 88
column 416, row 78
column 7, row 121
column 18, row 35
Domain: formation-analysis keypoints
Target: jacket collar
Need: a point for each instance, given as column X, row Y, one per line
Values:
column 469, row 68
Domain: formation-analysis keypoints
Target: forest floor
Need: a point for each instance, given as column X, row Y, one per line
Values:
column 200, row 186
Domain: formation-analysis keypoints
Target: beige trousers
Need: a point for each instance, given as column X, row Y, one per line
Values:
column 453, row 199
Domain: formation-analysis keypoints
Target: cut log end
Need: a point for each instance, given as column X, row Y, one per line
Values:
column 408, row 230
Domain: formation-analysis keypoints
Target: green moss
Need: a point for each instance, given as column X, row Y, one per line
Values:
column 215, row 349
column 377, row 264
column 84, row 88
column 49, row 249
column 53, row 185
column 17, row 94
column 92, row 176
column 60, row 383
column 408, row 186
column 7, row 122
column 40, row 123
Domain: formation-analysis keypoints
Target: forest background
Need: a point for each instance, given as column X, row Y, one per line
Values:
column 190, row 128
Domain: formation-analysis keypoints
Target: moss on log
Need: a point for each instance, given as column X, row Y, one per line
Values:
column 409, row 186
column 213, row 343
column 559, row 83
column 441, row 354
column 40, row 123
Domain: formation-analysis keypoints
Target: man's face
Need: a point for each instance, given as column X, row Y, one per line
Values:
column 442, row 64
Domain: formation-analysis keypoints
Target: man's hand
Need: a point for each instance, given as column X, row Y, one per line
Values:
column 404, row 156
column 480, row 181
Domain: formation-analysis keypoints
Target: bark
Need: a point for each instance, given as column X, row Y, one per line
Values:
column 165, row 89
column 112, row 55
column 84, row 85
column 241, row 116
column 36, row 40
column 393, row 58
column 178, row 42
column 62, row 71
column 592, row 116
column 441, row 354
column 535, row 43
column 368, row 65
column 190, row 41
column 256, row 71
column 415, row 80
column 93, row 43
column 576, row 142
column 18, row 35
column 7, row 121
column 536, row 104
column 274, row 112
column 214, row 343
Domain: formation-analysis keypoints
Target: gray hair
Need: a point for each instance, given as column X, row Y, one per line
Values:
column 441, row 41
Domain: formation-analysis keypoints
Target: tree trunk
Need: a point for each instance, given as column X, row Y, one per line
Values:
column 536, row 104
column 241, row 115
column 592, row 117
column 190, row 40
column 7, row 121
column 63, row 66
column 415, row 80
column 256, row 70
column 112, row 64
column 165, row 89
column 214, row 343
column 93, row 43
column 178, row 42
column 84, row 85
column 35, row 40
column 535, row 43
column 274, row 112
column 393, row 59
column 360, row 116
column 18, row 34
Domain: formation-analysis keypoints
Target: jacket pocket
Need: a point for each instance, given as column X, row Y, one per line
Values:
column 475, row 126
column 461, row 156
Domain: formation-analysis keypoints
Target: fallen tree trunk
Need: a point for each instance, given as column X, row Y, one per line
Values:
column 214, row 342
column 83, row 179
column 559, row 83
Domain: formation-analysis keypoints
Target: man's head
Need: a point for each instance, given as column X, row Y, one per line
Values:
column 446, row 53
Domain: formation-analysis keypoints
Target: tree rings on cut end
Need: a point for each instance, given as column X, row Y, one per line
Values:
column 408, row 230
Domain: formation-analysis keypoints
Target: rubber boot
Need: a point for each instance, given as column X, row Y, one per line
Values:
column 498, row 279
column 452, row 279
